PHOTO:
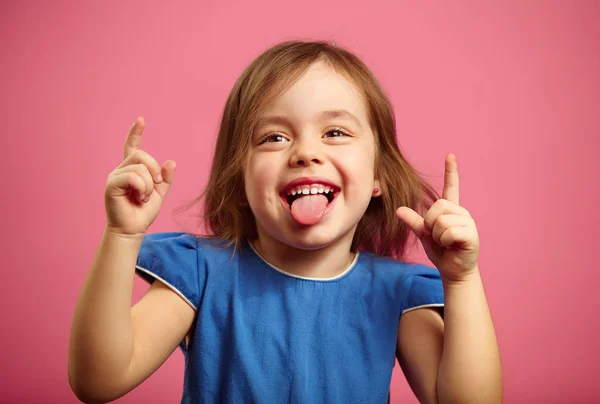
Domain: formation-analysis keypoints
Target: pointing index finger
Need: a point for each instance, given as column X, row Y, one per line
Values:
column 451, row 180
column 134, row 137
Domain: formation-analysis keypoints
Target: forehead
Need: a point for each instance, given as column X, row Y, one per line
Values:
column 319, row 89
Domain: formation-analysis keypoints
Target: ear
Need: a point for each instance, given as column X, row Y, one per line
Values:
column 376, row 185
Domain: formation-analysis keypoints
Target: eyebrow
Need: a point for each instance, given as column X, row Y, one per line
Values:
column 340, row 113
column 330, row 114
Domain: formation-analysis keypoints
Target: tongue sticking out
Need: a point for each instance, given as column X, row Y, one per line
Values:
column 309, row 209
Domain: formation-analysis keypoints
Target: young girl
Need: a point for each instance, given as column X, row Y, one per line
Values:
column 300, row 295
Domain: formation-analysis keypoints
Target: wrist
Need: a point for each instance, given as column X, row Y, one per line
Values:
column 466, row 277
column 112, row 234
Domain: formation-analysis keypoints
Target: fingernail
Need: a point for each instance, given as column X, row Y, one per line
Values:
column 159, row 178
column 146, row 199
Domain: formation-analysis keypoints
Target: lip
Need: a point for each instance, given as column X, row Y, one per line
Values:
column 308, row 181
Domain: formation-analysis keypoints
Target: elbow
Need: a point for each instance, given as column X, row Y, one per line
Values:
column 82, row 393
column 90, row 384
column 85, row 391
column 88, row 396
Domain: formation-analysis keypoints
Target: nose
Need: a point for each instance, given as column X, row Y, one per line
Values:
column 306, row 152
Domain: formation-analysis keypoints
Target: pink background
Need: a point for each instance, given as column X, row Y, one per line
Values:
column 512, row 88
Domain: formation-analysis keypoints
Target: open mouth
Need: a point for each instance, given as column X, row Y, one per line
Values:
column 291, row 195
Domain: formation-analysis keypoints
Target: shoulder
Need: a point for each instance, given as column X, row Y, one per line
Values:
column 184, row 246
column 184, row 262
column 389, row 268
column 417, row 285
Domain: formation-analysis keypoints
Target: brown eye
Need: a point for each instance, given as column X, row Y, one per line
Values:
column 273, row 138
column 336, row 133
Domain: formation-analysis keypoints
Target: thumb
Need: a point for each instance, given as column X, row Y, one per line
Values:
column 168, row 174
column 413, row 220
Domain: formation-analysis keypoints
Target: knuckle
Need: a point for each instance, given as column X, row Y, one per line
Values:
column 135, row 176
column 134, row 155
column 140, row 155
column 141, row 169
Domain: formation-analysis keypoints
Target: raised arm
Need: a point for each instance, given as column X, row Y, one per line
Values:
column 113, row 347
column 469, row 369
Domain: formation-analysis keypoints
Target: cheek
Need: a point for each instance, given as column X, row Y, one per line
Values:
column 359, row 170
column 361, row 163
column 260, row 176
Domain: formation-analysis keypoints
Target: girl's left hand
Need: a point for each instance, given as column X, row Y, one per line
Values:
column 447, row 232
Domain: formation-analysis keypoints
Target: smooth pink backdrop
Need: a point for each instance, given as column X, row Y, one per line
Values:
column 512, row 88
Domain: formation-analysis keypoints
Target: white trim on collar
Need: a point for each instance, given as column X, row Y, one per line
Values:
column 352, row 264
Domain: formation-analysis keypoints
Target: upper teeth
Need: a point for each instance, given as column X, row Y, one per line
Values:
column 310, row 189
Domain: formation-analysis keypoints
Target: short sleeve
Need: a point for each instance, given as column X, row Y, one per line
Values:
column 172, row 258
column 424, row 288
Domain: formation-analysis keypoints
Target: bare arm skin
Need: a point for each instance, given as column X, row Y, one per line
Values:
column 113, row 346
column 455, row 359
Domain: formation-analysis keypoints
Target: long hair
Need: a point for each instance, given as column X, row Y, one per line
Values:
column 227, row 214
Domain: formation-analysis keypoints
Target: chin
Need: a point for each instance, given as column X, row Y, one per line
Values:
column 313, row 237
column 310, row 242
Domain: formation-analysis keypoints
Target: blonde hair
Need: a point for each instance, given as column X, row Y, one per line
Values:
column 226, row 211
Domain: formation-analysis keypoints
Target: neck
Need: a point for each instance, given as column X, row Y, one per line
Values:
column 326, row 262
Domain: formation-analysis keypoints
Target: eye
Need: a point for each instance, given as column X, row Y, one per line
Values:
column 337, row 132
column 273, row 138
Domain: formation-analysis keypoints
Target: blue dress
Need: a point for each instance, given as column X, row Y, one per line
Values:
column 265, row 336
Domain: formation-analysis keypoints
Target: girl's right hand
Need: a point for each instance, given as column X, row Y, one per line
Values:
column 136, row 178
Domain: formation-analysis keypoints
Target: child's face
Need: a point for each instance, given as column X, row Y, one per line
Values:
column 304, row 140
